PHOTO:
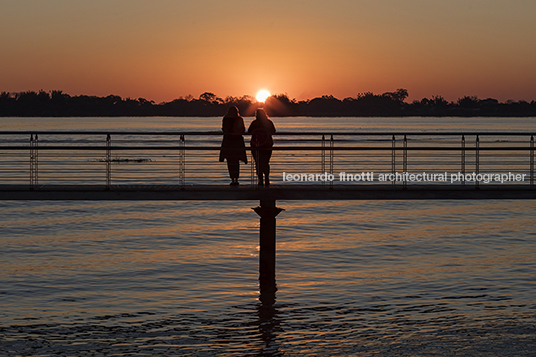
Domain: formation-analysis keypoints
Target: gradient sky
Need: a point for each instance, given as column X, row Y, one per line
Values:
column 164, row 49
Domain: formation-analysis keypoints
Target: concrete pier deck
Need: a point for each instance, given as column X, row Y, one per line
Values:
column 274, row 192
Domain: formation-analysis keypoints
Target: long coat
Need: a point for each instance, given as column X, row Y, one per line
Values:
column 232, row 146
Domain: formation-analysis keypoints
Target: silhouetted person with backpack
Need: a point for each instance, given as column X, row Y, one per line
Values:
column 261, row 130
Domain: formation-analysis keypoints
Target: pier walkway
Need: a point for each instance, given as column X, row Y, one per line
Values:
column 252, row 193
column 61, row 165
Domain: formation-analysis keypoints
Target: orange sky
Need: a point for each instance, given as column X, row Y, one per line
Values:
column 164, row 49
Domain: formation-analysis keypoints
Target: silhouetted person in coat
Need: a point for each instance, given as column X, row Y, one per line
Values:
column 261, row 130
column 232, row 147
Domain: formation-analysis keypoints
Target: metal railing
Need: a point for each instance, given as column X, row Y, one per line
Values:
column 191, row 158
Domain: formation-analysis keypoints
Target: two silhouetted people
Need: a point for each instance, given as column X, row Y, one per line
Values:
column 233, row 148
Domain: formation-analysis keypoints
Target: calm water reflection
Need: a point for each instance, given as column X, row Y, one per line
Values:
column 367, row 278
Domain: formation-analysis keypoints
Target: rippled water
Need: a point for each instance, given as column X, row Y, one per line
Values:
column 365, row 278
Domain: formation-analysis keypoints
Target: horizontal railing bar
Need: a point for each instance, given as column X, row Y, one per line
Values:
column 219, row 133
column 275, row 148
column 111, row 157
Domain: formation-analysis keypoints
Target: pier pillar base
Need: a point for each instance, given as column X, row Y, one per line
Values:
column 267, row 211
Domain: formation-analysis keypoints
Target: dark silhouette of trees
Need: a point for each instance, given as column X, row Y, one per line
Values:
column 281, row 105
column 397, row 96
column 436, row 106
column 391, row 104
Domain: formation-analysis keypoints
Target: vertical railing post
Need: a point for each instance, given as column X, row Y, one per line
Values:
column 252, row 169
column 32, row 162
column 108, row 161
column 405, row 162
column 331, row 158
column 393, row 159
column 463, row 160
column 36, row 160
column 477, row 160
column 532, row 159
column 323, row 157
column 182, row 162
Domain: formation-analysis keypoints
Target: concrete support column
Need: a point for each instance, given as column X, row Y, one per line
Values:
column 267, row 211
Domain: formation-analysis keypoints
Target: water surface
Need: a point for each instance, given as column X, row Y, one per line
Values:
column 366, row 278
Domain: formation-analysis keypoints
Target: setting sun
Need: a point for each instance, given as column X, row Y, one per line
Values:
column 262, row 95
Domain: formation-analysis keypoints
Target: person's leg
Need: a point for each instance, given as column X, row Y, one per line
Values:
column 233, row 166
column 265, row 165
column 259, row 172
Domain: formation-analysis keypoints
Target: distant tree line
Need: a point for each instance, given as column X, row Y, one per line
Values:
column 59, row 104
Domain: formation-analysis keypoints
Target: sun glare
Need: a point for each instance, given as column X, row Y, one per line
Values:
column 262, row 95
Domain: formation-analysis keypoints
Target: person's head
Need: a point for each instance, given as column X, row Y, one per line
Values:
column 232, row 112
column 261, row 114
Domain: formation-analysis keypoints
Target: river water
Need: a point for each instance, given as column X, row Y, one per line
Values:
column 363, row 278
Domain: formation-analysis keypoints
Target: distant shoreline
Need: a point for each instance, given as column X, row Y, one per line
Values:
column 390, row 104
column 274, row 116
